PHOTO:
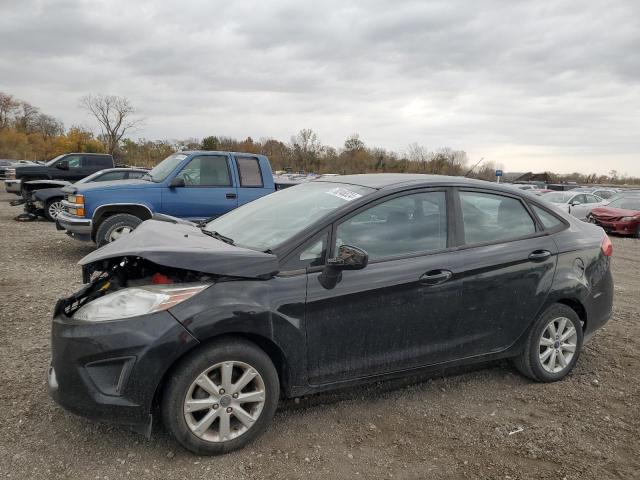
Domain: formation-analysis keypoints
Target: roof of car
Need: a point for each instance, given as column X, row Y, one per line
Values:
column 386, row 180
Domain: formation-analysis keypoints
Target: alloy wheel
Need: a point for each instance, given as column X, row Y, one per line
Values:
column 55, row 208
column 224, row 401
column 557, row 345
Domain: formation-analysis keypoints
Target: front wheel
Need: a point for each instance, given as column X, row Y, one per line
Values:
column 220, row 397
column 115, row 227
column 53, row 208
column 553, row 345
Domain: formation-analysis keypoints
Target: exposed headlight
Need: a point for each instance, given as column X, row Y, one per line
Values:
column 134, row 301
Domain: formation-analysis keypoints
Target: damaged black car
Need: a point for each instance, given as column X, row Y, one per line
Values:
column 323, row 285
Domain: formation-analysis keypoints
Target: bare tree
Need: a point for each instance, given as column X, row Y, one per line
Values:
column 113, row 114
column 8, row 106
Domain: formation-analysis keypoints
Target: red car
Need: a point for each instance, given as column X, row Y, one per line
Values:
column 620, row 216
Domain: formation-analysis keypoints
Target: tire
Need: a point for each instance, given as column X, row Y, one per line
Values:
column 109, row 228
column 52, row 205
column 530, row 362
column 181, row 388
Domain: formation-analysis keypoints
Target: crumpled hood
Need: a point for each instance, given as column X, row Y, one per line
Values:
column 613, row 212
column 186, row 247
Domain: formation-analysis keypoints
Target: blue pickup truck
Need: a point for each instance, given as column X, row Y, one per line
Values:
column 188, row 185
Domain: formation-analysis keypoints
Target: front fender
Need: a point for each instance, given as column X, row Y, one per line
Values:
column 271, row 309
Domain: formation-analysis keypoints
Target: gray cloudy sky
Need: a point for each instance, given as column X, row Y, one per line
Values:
column 533, row 84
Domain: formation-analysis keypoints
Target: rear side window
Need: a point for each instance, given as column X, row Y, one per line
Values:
column 490, row 218
column 250, row 174
column 548, row 220
column 96, row 161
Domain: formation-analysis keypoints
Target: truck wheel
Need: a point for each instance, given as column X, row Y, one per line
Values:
column 52, row 208
column 553, row 345
column 220, row 397
column 116, row 226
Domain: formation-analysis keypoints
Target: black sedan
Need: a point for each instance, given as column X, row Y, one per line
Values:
column 319, row 286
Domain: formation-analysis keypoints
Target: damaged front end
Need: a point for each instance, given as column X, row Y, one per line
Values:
column 135, row 287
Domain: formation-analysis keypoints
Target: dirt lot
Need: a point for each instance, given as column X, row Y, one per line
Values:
column 485, row 423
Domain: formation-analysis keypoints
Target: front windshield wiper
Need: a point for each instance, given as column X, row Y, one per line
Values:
column 217, row 236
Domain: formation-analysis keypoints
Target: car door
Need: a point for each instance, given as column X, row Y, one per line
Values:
column 507, row 264
column 208, row 189
column 577, row 205
column 400, row 311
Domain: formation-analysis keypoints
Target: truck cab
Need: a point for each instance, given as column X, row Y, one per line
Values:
column 70, row 167
column 188, row 185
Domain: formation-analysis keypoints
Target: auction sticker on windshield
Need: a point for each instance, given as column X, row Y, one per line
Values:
column 343, row 193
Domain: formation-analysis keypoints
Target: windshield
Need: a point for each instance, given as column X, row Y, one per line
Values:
column 273, row 219
column 557, row 197
column 165, row 167
column 53, row 160
column 626, row 203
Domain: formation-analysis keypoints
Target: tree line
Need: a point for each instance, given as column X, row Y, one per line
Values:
column 28, row 133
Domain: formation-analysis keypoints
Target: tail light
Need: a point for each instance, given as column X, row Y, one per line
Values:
column 606, row 246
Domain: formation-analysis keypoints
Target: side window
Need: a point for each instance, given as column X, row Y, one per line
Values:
column 312, row 254
column 250, row 174
column 491, row 218
column 548, row 220
column 579, row 198
column 107, row 177
column 74, row 161
column 410, row 224
column 135, row 174
column 592, row 199
column 206, row 171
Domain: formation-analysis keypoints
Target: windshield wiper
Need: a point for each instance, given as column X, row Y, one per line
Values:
column 217, row 236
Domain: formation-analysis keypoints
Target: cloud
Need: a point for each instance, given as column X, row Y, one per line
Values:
column 534, row 85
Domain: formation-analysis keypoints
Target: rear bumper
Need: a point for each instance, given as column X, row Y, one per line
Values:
column 78, row 228
column 12, row 186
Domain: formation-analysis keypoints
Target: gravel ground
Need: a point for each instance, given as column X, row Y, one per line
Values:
column 481, row 423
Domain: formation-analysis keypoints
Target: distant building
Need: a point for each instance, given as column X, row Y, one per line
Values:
column 545, row 177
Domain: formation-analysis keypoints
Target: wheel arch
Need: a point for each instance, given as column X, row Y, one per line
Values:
column 577, row 307
column 267, row 345
column 103, row 212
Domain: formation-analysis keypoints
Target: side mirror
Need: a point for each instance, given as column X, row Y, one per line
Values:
column 177, row 182
column 349, row 258
column 63, row 164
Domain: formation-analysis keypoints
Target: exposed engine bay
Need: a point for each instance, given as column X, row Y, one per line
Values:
column 114, row 274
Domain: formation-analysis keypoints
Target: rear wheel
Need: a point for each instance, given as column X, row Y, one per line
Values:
column 553, row 345
column 221, row 397
column 115, row 227
column 53, row 208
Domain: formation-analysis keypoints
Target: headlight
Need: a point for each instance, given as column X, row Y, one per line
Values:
column 134, row 301
column 628, row 219
column 79, row 199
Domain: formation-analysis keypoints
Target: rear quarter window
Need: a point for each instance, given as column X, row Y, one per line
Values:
column 548, row 220
column 250, row 173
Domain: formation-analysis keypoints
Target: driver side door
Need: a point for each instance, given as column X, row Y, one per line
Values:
column 400, row 311
column 208, row 190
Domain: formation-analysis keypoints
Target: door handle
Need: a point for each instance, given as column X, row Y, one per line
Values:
column 539, row 255
column 435, row 277
column 232, row 195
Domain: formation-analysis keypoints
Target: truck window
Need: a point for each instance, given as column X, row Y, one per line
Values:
column 74, row 160
column 97, row 161
column 250, row 174
column 206, row 171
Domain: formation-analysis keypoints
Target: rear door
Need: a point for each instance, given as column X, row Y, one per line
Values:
column 209, row 190
column 507, row 263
